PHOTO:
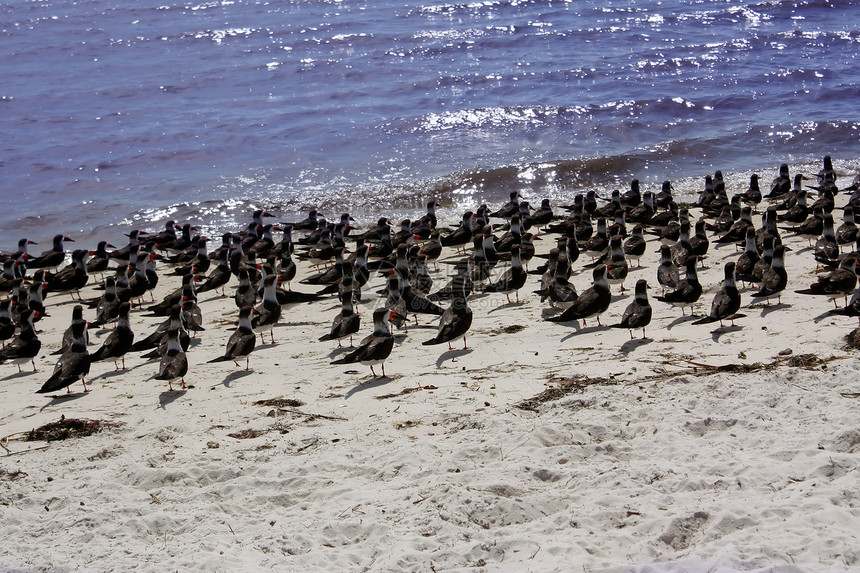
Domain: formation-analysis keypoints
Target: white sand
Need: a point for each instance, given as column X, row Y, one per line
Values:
column 657, row 468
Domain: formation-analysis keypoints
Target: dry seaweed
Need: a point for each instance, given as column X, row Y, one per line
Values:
column 280, row 403
column 247, row 434
column 11, row 476
column 567, row 386
column 406, row 391
column 66, row 428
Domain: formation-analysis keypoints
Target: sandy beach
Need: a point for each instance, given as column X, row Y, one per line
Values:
column 543, row 447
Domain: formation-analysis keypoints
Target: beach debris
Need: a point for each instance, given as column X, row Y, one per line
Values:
column 247, row 434
column 569, row 385
column 407, row 391
column 11, row 476
column 280, row 403
column 66, row 428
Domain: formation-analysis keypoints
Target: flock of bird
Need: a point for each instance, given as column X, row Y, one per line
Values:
column 492, row 252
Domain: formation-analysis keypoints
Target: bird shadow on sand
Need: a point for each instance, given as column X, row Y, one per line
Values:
column 632, row 345
column 340, row 350
column 766, row 310
column 169, row 396
column 718, row 332
column 23, row 374
column 582, row 329
column 233, row 376
column 505, row 306
column 817, row 319
column 681, row 320
column 371, row 383
column 452, row 355
column 110, row 374
column 57, row 399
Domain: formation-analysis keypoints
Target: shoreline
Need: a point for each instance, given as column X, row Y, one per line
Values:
column 645, row 464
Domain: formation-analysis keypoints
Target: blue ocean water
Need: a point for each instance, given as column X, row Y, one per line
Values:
column 124, row 114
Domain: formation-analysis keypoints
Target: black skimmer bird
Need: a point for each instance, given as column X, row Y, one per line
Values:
column 99, row 258
column 376, row 347
column 52, row 258
column 462, row 234
column 543, row 215
column 218, row 277
column 68, row 335
column 7, row 325
column 826, row 247
column 556, row 285
column 635, row 245
column 119, row 341
column 268, row 312
column 738, row 231
column 638, row 313
column 107, row 307
column 72, row 278
column 745, row 265
column 246, row 294
column 513, row 279
column 510, row 208
column 174, row 362
column 25, row 347
column 592, row 302
column 727, row 301
column 241, row 342
column 774, row 279
column 346, row 323
column 309, row 223
column 73, row 365
column 752, row 196
column 781, row 184
column 456, row 319
column 688, row 291
column 838, row 282
column 847, row 231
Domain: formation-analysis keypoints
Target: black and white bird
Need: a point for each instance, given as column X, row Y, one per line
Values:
column 174, row 362
column 727, row 301
column 242, row 342
column 73, row 364
column 375, row 348
column 456, row 319
column 638, row 313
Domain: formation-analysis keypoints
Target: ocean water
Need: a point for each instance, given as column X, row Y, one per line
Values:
column 116, row 115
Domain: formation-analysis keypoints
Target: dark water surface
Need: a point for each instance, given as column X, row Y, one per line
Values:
column 119, row 114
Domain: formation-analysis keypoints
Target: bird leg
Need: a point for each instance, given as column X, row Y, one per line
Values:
column 184, row 387
column 631, row 333
column 84, row 382
column 170, row 385
column 373, row 371
column 465, row 347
